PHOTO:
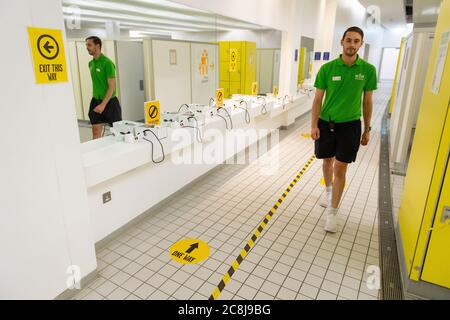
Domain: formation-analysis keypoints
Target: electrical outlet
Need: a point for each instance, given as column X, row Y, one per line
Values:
column 107, row 197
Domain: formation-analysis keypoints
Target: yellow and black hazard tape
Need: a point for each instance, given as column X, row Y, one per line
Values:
column 215, row 295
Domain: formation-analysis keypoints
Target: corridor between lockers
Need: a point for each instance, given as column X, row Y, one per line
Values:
column 294, row 258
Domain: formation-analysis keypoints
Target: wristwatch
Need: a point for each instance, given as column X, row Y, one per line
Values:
column 368, row 129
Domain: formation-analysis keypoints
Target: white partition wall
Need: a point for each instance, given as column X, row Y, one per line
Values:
column 409, row 94
column 204, row 71
column 172, row 73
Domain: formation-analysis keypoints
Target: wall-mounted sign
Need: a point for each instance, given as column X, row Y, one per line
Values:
column 275, row 91
column 219, row 97
column 233, row 60
column 317, row 56
column 204, row 63
column 49, row 56
column 326, row 56
column 152, row 113
column 255, row 88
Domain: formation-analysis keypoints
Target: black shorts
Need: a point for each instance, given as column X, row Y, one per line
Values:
column 112, row 113
column 343, row 143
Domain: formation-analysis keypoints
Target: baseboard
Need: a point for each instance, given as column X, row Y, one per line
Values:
column 70, row 294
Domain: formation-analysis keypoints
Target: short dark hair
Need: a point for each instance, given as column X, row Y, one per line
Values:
column 96, row 40
column 354, row 29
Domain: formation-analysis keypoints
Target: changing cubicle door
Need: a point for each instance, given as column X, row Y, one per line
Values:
column 75, row 76
column 172, row 73
column 204, row 71
column 398, row 112
column 437, row 262
column 265, row 68
column 130, row 70
column 85, row 77
column 276, row 67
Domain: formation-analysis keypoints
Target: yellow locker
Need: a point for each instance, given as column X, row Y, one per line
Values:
column 235, row 87
column 224, row 71
column 236, row 76
column 238, row 45
column 241, row 80
column 423, row 238
column 225, row 85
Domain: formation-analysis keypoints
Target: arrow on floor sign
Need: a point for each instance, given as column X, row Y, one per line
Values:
column 192, row 248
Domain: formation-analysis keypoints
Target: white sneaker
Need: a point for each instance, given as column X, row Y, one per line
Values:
column 331, row 223
column 325, row 199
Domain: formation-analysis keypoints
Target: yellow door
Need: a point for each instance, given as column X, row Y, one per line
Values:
column 426, row 166
column 437, row 262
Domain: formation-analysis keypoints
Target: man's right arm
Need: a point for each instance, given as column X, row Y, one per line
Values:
column 317, row 105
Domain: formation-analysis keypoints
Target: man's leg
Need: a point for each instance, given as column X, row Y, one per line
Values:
column 97, row 131
column 340, row 171
column 327, row 168
column 328, row 171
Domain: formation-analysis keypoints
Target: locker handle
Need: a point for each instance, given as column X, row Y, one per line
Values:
column 445, row 215
column 141, row 85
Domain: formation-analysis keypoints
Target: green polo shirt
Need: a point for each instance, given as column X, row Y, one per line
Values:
column 101, row 69
column 344, row 86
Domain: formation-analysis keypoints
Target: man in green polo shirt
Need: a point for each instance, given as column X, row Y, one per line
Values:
column 105, row 107
column 348, row 83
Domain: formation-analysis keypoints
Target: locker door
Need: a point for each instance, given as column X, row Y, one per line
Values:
column 437, row 262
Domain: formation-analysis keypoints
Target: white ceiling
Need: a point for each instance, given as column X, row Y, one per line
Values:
column 426, row 11
column 392, row 12
column 152, row 16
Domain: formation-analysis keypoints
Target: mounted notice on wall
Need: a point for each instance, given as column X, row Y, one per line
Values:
column 233, row 60
column 173, row 57
column 326, row 56
column 47, row 47
column 317, row 56
column 440, row 63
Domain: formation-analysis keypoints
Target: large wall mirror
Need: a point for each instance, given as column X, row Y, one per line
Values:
column 167, row 52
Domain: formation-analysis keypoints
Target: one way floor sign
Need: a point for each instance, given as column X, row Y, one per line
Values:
column 189, row 251
column 49, row 57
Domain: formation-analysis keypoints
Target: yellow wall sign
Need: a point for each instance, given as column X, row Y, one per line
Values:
column 233, row 60
column 49, row 56
column 153, row 113
column 255, row 88
column 219, row 97
column 189, row 251
column 275, row 91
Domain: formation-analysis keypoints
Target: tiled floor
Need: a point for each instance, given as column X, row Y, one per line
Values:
column 293, row 258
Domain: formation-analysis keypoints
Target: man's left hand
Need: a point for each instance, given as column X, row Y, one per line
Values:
column 365, row 138
column 100, row 108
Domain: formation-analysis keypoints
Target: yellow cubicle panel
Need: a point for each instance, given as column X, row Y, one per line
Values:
column 424, row 237
column 394, row 87
column 301, row 66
